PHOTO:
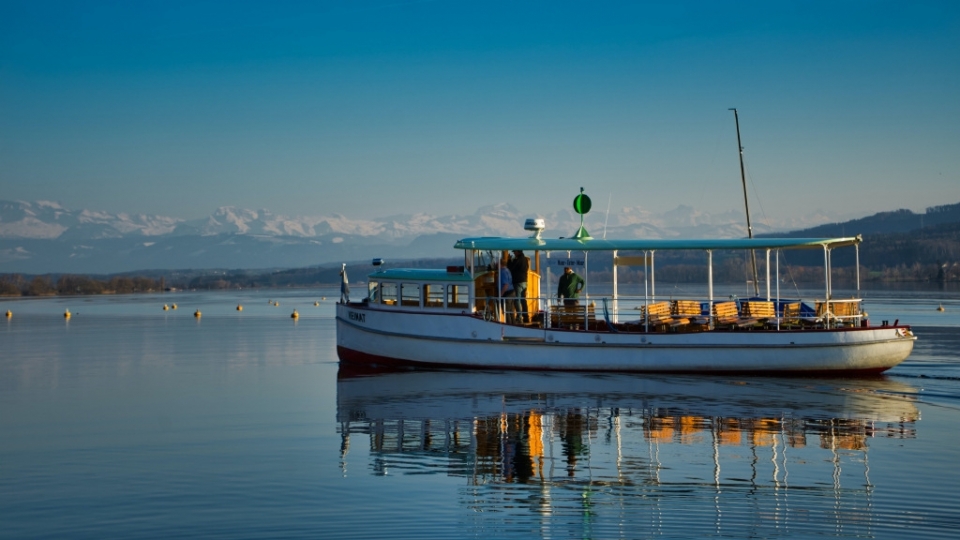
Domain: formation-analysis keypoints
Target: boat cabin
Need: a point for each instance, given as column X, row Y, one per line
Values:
column 428, row 289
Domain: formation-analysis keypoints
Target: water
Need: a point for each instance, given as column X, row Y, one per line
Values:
column 130, row 421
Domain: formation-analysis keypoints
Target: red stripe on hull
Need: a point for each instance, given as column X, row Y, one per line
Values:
column 373, row 363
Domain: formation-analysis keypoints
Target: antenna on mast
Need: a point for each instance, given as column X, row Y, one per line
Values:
column 746, row 205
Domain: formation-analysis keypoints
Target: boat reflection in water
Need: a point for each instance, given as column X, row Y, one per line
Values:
column 649, row 443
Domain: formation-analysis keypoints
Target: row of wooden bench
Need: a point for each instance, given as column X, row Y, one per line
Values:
column 725, row 314
column 662, row 316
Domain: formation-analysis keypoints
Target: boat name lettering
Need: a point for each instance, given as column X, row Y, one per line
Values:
column 359, row 317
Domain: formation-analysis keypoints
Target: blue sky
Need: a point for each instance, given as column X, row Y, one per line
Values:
column 370, row 109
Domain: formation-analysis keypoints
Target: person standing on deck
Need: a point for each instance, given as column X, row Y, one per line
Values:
column 344, row 285
column 506, row 292
column 569, row 287
column 519, row 266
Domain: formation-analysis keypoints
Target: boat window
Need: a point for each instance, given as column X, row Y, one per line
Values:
column 458, row 296
column 373, row 291
column 388, row 294
column 410, row 294
column 433, row 295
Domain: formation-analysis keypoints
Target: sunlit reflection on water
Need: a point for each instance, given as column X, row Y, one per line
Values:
column 677, row 454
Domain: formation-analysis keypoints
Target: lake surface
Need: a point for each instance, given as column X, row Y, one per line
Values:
column 127, row 421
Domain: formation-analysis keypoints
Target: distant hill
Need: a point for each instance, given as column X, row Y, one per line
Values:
column 898, row 245
column 897, row 221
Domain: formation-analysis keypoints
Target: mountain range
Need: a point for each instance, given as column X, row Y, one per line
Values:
column 45, row 237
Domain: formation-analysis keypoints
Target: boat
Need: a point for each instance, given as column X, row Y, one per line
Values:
column 453, row 317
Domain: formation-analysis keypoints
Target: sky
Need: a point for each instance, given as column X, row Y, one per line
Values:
column 376, row 108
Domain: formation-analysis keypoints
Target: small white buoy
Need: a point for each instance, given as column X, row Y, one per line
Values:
column 294, row 315
column 67, row 314
column 316, row 303
column 174, row 306
column 276, row 304
column 197, row 314
column 940, row 307
column 239, row 307
column 166, row 307
column 323, row 298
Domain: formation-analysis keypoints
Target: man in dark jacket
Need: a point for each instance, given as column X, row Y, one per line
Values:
column 519, row 266
column 569, row 287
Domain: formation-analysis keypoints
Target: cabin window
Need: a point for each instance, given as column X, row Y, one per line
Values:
column 388, row 294
column 433, row 295
column 458, row 296
column 373, row 292
column 410, row 294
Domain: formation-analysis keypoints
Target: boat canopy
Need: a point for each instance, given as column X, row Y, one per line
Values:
column 419, row 274
column 598, row 244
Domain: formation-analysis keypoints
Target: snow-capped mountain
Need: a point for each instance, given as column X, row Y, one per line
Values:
column 49, row 220
column 44, row 236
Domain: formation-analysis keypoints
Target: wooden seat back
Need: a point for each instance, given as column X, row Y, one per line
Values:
column 791, row 313
column 726, row 313
column 658, row 313
column 845, row 308
column 567, row 315
column 685, row 308
column 759, row 310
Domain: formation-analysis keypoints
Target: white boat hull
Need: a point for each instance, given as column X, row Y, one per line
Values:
column 383, row 338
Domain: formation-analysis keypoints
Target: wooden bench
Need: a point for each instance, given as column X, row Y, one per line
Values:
column 842, row 312
column 759, row 310
column 758, row 313
column 657, row 315
column 686, row 308
column 568, row 316
column 685, row 312
column 726, row 314
column 791, row 315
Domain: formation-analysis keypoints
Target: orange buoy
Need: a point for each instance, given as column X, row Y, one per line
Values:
column 197, row 314
column 294, row 315
column 239, row 307
column 67, row 314
column 174, row 306
column 166, row 307
column 9, row 314
column 940, row 307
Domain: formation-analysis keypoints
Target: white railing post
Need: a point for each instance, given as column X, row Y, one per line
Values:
column 710, row 284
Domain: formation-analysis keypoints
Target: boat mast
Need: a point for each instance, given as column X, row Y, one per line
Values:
column 746, row 205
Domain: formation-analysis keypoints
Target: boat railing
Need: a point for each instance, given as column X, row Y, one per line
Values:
column 690, row 313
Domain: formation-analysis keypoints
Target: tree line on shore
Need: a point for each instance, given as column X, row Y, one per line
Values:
column 65, row 285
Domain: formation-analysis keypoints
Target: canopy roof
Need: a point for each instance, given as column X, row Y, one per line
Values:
column 597, row 244
column 418, row 274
